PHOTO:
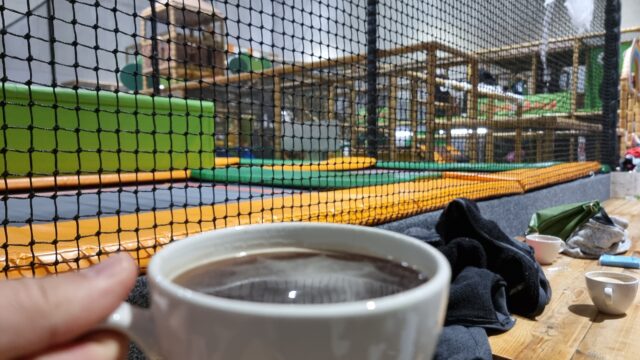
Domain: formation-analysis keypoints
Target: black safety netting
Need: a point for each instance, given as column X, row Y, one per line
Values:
column 130, row 124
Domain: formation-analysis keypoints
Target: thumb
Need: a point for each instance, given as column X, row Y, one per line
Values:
column 40, row 313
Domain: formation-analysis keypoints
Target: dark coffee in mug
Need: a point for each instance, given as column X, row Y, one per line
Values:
column 301, row 276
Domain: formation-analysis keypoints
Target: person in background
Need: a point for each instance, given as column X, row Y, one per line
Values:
column 55, row 317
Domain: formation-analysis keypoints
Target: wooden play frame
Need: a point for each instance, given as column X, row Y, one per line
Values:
column 433, row 55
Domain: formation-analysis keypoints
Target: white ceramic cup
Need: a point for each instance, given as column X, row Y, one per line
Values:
column 546, row 247
column 611, row 292
column 183, row 324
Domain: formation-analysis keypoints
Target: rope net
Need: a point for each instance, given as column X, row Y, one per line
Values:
column 130, row 124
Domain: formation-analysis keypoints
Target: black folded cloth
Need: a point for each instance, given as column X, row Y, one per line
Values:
column 477, row 298
column 462, row 253
column 463, row 343
column 528, row 290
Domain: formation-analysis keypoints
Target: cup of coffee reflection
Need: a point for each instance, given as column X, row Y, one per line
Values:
column 292, row 291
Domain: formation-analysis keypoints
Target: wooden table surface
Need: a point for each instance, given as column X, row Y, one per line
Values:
column 571, row 327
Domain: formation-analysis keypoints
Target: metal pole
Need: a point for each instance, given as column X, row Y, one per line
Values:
column 372, row 78
column 610, row 80
column 155, row 76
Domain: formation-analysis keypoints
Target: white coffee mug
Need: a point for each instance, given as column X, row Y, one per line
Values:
column 611, row 292
column 545, row 247
column 184, row 324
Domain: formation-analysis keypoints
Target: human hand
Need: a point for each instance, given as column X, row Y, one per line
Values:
column 53, row 317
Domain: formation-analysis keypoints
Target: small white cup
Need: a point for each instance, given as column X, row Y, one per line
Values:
column 545, row 247
column 611, row 292
column 184, row 324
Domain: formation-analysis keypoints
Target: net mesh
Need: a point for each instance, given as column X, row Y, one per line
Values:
column 130, row 124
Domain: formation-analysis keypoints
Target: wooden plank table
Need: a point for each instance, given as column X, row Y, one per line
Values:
column 571, row 327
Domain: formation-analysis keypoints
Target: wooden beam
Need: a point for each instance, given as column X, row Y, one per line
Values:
column 353, row 117
column 624, row 117
column 539, row 147
column 518, row 144
column 413, row 115
column 489, row 139
column 535, row 122
column 431, row 110
column 449, row 122
column 173, row 35
column 572, row 148
column 331, row 103
column 534, row 74
column 472, row 108
column 277, row 118
column 574, row 77
column 549, row 143
column 393, row 105
column 327, row 63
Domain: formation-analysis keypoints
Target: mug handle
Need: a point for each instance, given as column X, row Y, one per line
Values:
column 608, row 295
column 137, row 324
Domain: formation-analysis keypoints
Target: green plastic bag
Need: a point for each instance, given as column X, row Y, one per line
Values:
column 561, row 220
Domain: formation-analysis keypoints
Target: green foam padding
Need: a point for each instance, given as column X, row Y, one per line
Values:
column 472, row 167
column 65, row 131
column 305, row 179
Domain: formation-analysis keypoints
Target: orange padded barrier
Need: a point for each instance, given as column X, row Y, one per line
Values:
column 74, row 181
column 68, row 245
column 536, row 178
column 531, row 179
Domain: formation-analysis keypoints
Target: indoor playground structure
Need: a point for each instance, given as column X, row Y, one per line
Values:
column 193, row 136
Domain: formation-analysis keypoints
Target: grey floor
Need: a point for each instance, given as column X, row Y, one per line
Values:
column 17, row 209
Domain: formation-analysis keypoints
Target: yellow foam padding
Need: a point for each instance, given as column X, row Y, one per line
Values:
column 335, row 164
column 530, row 179
column 74, row 181
column 535, row 178
column 226, row 161
column 68, row 245
column 474, row 176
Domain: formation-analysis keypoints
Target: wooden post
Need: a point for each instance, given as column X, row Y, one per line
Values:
column 572, row 148
column 173, row 45
column 518, row 145
column 277, row 118
column 431, row 103
column 624, row 116
column 331, row 104
column 353, row 96
column 634, row 118
column 143, row 41
column 472, row 109
column 331, row 108
column 539, row 143
column 574, row 77
column 393, row 104
column 413, row 114
column 534, row 74
column 489, row 140
column 549, row 139
column 447, row 128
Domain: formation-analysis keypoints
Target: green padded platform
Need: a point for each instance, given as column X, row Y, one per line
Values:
column 307, row 179
column 474, row 167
